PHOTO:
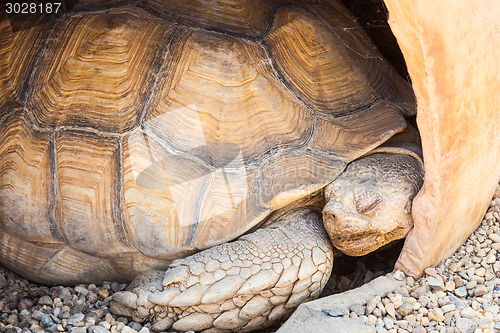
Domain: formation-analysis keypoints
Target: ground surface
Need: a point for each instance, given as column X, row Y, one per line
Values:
column 460, row 295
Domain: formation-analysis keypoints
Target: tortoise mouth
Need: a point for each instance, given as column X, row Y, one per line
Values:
column 356, row 235
column 363, row 243
column 357, row 245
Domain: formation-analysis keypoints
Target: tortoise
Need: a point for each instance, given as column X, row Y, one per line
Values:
column 197, row 136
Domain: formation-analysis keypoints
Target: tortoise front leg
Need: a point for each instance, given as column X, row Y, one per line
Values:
column 243, row 285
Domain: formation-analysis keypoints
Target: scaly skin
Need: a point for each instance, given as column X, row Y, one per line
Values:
column 239, row 286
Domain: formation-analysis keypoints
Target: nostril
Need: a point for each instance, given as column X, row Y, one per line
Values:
column 329, row 215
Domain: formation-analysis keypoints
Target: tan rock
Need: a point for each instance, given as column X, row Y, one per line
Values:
column 441, row 78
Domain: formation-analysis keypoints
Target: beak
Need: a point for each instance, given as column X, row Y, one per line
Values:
column 350, row 233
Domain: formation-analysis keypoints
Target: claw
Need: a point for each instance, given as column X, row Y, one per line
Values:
column 163, row 297
column 175, row 275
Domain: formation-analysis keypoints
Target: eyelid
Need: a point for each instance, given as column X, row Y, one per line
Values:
column 366, row 208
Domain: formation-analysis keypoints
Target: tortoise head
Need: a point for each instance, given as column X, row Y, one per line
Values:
column 369, row 204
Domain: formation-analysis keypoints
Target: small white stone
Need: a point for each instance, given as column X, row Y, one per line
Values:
column 127, row 329
column 471, row 285
column 494, row 237
column 370, row 306
column 405, row 309
column 480, row 291
column 480, row 271
column 489, row 216
column 402, row 324
column 468, row 312
column 448, row 308
column 388, row 323
column 465, row 325
column 436, row 314
column 461, row 292
column 411, row 319
column 436, row 283
column 399, row 275
column 430, row 271
column 390, row 309
column 419, row 329
column 449, row 286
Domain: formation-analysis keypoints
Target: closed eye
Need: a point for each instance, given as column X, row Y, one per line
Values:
column 364, row 206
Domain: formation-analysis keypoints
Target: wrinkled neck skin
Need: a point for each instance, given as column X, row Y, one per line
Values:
column 369, row 204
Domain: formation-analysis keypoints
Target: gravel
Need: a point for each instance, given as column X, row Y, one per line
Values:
column 462, row 294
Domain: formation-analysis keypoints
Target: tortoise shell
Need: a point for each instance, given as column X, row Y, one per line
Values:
column 135, row 135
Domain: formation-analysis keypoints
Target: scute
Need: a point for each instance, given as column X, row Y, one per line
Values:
column 87, row 193
column 25, row 181
column 249, row 18
column 122, row 48
column 326, row 59
column 153, row 131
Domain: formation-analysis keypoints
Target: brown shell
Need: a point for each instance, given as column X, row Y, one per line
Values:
column 131, row 136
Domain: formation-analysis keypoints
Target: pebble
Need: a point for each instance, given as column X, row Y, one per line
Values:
column 448, row 308
column 480, row 271
column 45, row 300
column 75, row 319
column 436, row 314
column 100, row 329
column 493, row 309
column 399, row 275
column 419, row 329
column 431, row 271
column 82, row 290
column 388, row 323
column 47, row 320
column 103, row 293
column 405, row 309
column 460, row 294
column 370, row 306
column 471, row 285
column 495, row 238
column 468, row 313
column 465, row 325
column 480, row 290
column 127, row 329
column 449, row 286
column 390, row 309
column 436, row 283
